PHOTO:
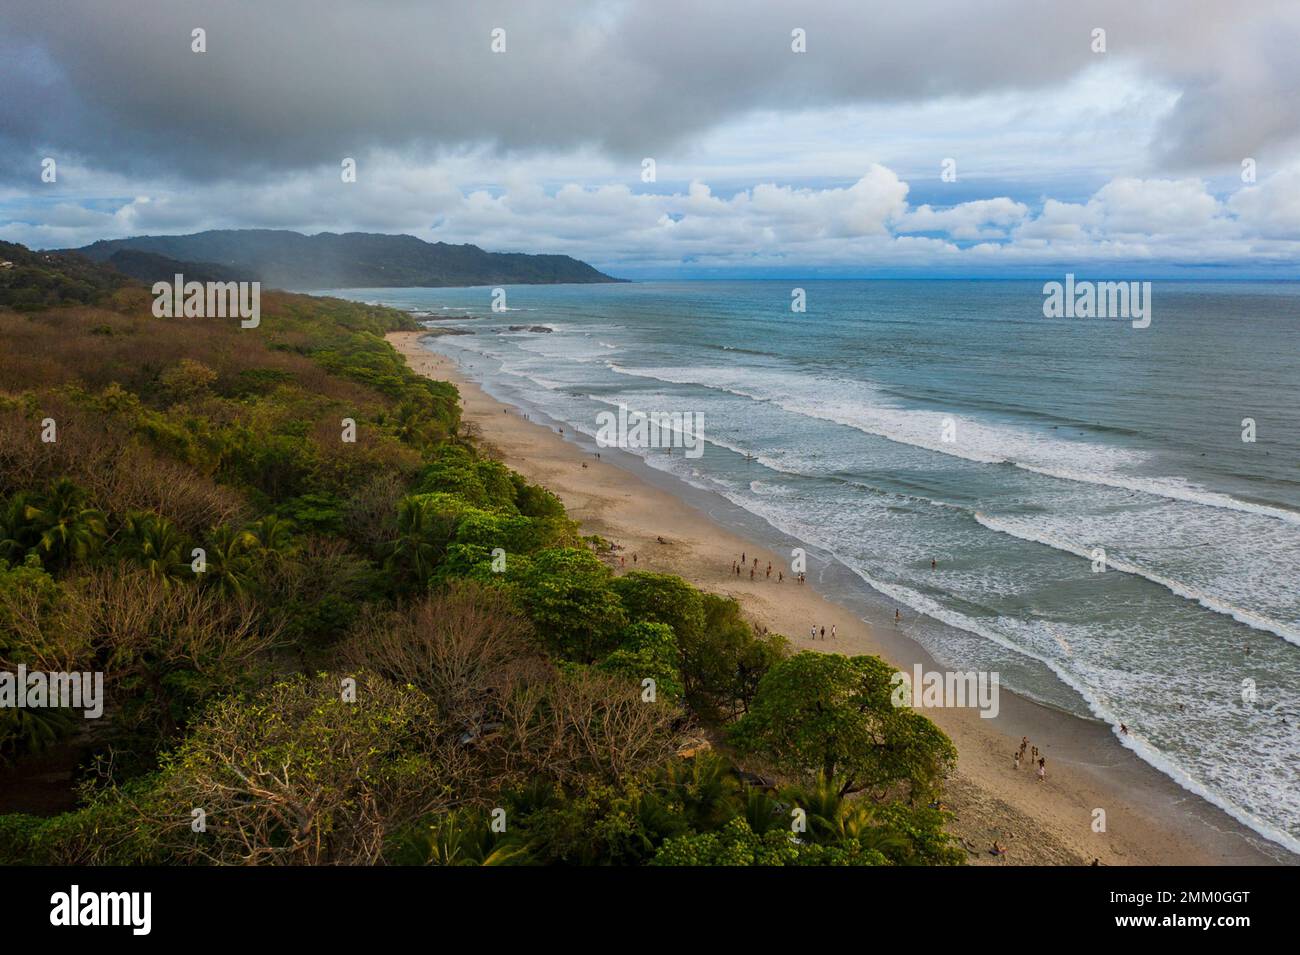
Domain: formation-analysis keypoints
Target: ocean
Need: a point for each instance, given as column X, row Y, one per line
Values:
column 895, row 423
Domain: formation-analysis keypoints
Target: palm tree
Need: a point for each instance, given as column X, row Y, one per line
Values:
column 18, row 534
column 459, row 838
column 833, row 819
column 229, row 563
column 423, row 534
column 763, row 813
column 69, row 529
column 272, row 534
column 705, row 788
column 29, row 732
column 154, row 543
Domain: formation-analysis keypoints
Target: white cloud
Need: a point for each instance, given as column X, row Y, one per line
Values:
column 1155, row 206
column 1272, row 208
column 979, row 219
column 868, row 224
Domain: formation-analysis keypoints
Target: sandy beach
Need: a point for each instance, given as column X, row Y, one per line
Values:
column 1148, row 819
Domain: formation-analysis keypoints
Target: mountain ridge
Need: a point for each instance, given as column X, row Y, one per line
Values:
column 293, row 260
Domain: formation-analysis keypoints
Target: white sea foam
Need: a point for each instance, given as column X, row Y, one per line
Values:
column 1219, row 604
column 860, row 406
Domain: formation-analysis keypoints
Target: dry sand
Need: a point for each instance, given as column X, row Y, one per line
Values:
column 1149, row 820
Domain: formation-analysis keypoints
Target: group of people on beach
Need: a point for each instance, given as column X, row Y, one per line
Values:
column 739, row 566
column 1034, row 758
column 813, row 632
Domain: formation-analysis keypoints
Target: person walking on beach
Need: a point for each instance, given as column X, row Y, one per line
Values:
column 1016, row 761
column 812, row 632
column 832, row 631
column 823, row 633
column 751, row 573
column 1042, row 769
column 769, row 570
column 780, row 577
column 897, row 616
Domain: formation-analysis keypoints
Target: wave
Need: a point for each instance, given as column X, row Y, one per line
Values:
column 1017, row 529
column 1175, row 489
column 1216, row 603
column 1255, row 621
column 992, row 445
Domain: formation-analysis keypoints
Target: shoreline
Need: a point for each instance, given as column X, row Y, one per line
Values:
column 1150, row 819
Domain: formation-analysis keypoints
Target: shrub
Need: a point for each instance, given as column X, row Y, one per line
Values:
column 297, row 775
column 465, row 647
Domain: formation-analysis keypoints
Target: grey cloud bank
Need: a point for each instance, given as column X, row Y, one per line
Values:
column 513, row 151
column 283, row 85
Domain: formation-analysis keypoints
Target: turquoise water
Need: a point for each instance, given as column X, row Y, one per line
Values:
column 1067, row 435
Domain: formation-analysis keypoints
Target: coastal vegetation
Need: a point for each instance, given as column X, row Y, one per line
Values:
column 386, row 650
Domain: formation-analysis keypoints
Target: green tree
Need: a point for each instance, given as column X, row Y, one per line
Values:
column 821, row 714
column 723, row 660
column 186, row 380
column 648, row 651
column 567, row 594
column 662, row 598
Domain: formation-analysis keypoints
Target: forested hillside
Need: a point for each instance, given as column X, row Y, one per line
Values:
column 350, row 260
column 390, row 649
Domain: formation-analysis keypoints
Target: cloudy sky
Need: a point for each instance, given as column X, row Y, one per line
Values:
column 766, row 161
